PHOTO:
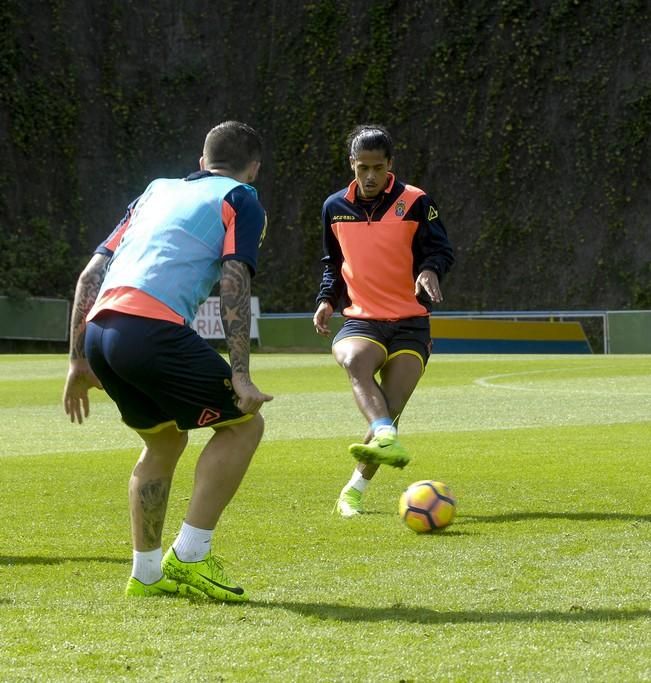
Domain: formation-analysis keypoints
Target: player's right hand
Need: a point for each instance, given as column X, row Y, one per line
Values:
column 75, row 393
column 321, row 318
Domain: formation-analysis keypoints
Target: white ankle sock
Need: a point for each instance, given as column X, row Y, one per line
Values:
column 358, row 482
column 385, row 429
column 146, row 565
column 192, row 544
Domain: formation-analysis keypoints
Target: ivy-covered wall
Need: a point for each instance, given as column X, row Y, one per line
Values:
column 529, row 123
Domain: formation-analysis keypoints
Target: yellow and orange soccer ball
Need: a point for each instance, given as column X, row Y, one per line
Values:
column 427, row 506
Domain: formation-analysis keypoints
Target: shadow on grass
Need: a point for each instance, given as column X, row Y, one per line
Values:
column 420, row 615
column 574, row 516
column 6, row 560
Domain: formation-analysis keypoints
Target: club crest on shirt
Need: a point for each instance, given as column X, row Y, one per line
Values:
column 400, row 208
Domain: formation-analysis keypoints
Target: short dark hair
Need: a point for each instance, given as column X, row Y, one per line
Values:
column 232, row 145
column 368, row 137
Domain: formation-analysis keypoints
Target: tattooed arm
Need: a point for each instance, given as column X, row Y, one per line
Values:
column 86, row 293
column 80, row 376
column 235, row 304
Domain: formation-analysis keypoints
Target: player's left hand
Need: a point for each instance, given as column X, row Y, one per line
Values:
column 75, row 393
column 428, row 282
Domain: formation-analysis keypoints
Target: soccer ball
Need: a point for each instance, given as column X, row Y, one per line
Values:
column 427, row 506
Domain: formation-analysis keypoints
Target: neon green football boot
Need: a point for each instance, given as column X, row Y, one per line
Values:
column 349, row 503
column 384, row 449
column 207, row 576
column 164, row 586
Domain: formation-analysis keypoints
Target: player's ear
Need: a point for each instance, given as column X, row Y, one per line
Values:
column 253, row 170
column 352, row 162
column 389, row 164
column 202, row 164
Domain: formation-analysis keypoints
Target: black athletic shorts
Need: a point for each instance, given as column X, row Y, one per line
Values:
column 160, row 373
column 410, row 335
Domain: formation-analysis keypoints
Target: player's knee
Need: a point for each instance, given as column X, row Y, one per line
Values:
column 176, row 442
column 257, row 425
column 253, row 429
column 167, row 445
column 356, row 365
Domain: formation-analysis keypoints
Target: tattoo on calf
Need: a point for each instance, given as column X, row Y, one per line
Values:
column 153, row 497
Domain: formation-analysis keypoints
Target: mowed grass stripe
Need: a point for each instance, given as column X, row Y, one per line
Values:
column 476, row 398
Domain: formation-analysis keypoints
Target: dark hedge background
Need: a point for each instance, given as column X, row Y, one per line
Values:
column 528, row 122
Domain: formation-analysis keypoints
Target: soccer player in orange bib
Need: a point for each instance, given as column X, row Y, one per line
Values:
column 385, row 254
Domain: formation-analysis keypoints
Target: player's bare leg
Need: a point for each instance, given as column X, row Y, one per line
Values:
column 399, row 378
column 150, row 484
column 220, row 470
column 218, row 474
column 149, row 489
column 361, row 359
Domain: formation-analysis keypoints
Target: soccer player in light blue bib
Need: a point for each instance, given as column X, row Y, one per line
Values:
column 131, row 336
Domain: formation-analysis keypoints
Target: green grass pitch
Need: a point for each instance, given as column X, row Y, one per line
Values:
column 544, row 575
